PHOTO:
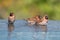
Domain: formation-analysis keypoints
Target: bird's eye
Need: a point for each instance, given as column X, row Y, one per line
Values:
column 46, row 17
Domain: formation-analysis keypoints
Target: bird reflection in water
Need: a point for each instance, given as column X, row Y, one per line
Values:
column 10, row 30
column 42, row 30
column 10, row 27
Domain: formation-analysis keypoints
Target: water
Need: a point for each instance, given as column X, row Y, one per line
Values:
column 22, row 31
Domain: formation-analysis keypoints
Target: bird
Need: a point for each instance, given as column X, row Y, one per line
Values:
column 11, row 18
column 31, row 21
column 42, row 21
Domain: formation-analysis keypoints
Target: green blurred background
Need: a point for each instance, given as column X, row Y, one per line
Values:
column 28, row 8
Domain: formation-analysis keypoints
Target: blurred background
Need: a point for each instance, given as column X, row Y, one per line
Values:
column 29, row 8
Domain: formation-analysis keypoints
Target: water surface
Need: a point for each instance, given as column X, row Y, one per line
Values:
column 20, row 30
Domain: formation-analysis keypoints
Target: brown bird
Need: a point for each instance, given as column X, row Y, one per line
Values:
column 11, row 18
column 43, row 21
column 31, row 21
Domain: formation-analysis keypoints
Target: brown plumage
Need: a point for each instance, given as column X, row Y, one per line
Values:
column 11, row 18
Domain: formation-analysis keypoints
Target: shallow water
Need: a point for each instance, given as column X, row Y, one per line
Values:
column 22, row 31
